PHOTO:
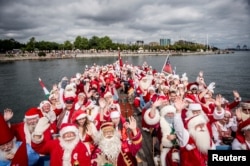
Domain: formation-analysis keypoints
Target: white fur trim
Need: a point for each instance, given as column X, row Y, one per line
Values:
column 83, row 115
column 243, row 146
column 168, row 109
column 218, row 114
column 193, row 86
column 149, row 120
column 190, row 147
column 166, row 130
column 68, row 129
column 195, row 121
column 194, row 106
column 114, row 114
column 27, row 134
column 246, row 128
column 38, row 141
column 176, row 156
column 31, row 116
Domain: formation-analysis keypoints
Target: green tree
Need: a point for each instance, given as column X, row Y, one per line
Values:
column 68, row 45
column 30, row 46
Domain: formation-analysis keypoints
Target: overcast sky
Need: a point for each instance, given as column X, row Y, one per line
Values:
column 225, row 23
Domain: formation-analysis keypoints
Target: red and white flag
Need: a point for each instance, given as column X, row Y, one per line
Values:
column 167, row 68
column 45, row 90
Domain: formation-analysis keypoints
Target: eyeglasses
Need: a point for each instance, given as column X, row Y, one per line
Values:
column 194, row 89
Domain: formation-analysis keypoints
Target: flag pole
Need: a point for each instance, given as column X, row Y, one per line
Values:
column 45, row 90
column 164, row 63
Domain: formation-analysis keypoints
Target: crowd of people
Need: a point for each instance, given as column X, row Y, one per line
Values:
column 82, row 122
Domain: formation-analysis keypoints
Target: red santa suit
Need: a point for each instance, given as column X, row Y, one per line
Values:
column 190, row 152
column 166, row 130
column 59, row 151
column 240, row 143
column 22, row 132
column 129, row 147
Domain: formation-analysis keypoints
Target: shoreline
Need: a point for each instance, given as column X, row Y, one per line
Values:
column 51, row 56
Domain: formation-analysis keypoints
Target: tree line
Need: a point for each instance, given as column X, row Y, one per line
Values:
column 97, row 43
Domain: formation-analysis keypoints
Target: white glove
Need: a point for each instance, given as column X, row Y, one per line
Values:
column 41, row 126
column 211, row 87
column 184, row 75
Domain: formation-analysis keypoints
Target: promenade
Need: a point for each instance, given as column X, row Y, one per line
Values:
column 32, row 56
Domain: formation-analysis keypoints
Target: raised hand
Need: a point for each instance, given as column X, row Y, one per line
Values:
column 211, row 86
column 132, row 123
column 236, row 94
column 102, row 102
column 179, row 104
column 238, row 113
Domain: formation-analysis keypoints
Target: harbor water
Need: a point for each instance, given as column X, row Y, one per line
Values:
column 21, row 90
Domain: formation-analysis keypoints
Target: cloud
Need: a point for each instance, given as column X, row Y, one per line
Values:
column 225, row 22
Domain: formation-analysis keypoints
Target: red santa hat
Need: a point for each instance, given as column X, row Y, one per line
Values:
column 245, row 125
column 195, row 120
column 7, row 135
column 115, row 114
column 43, row 103
column 168, row 109
column 21, row 157
column 68, row 127
column 107, row 125
column 32, row 113
column 193, row 85
column 78, row 115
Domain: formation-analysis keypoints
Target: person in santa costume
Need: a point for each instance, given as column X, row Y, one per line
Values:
column 117, row 152
column 47, row 111
column 194, row 139
column 66, row 150
column 23, row 130
column 222, row 129
column 87, row 129
column 67, row 111
column 14, row 152
column 243, row 112
column 167, row 135
column 242, row 140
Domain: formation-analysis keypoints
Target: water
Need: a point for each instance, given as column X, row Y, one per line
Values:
column 20, row 88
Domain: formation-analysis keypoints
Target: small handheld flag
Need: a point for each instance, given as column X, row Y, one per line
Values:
column 167, row 68
column 45, row 90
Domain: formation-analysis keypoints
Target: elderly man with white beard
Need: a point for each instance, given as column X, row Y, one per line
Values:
column 194, row 140
column 13, row 152
column 169, row 155
column 67, row 150
column 115, row 152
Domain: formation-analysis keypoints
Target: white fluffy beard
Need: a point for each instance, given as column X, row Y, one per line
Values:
column 201, row 138
column 110, row 147
column 3, row 154
column 68, row 147
column 244, row 116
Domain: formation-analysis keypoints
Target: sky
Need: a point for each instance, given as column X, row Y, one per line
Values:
column 220, row 23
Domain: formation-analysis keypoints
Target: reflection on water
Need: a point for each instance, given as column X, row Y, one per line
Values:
column 20, row 88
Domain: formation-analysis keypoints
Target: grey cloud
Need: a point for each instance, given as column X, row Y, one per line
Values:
column 226, row 22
